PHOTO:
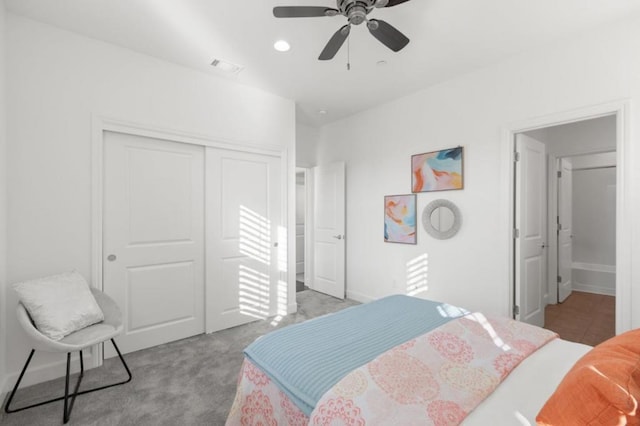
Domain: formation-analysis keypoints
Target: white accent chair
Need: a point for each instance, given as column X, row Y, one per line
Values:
column 77, row 341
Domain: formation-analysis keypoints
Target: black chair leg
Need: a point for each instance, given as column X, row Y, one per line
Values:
column 7, row 408
column 68, row 405
column 67, row 413
column 65, row 418
column 126, row 367
column 124, row 364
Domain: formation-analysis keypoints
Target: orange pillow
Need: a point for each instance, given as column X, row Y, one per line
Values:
column 602, row 388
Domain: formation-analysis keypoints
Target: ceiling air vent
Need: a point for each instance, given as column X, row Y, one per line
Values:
column 227, row 67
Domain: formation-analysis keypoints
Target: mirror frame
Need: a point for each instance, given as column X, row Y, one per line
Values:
column 426, row 219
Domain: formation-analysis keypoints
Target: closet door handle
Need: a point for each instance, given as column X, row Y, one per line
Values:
column 337, row 237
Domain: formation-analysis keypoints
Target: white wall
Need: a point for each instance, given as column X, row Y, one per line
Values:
column 471, row 269
column 595, row 135
column 594, row 191
column 3, row 199
column 56, row 81
column 306, row 145
column 604, row 159
column 594, row 215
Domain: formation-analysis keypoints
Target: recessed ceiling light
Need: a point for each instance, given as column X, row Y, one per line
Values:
column 322, row 112
column 226, row 66
column 281, row 46
column 381, row 63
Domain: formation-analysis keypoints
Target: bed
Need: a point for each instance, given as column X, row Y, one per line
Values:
column 406, row 360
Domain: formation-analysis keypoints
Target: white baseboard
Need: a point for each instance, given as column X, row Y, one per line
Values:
column 359, row 297
column 46, row 372
column 292, row 308
column 607, row 291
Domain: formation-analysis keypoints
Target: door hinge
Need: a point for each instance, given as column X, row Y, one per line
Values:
column 559, row 173
column 516, row 310
column 516, row 157
column 559, row 279
column 516, row 233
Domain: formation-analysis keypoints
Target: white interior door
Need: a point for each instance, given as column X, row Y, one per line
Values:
column 246, row 238
column 153, row 238
column 530, row 222
column 565, row 238
column 329, row 230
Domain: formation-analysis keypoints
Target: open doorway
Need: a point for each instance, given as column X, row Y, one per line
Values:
column 320, row 229
column 301, row 219
column 574, row 288
column 586, row 257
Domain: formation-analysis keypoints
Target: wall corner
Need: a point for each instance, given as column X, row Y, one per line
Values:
column 3, row 204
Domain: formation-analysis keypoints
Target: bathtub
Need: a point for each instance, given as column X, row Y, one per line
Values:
column 594, row 278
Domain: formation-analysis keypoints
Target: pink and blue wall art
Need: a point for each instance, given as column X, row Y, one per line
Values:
column 400, row 219
column 437, row 171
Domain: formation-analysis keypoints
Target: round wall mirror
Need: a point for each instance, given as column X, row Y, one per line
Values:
column 441, row 219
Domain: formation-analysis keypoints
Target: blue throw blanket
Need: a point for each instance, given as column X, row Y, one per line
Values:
column 305, row 360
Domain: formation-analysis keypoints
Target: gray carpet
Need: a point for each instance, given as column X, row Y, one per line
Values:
column 188, row 382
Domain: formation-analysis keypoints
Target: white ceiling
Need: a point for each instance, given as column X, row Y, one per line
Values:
column 448, row 37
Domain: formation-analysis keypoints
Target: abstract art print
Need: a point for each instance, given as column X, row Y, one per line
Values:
column 400, row 219
column 437, row 171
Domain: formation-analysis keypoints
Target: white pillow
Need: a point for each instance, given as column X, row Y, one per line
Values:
column 59, row 304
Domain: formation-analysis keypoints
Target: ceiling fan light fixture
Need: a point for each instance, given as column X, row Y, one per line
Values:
column 357, row 14
column 282, row 46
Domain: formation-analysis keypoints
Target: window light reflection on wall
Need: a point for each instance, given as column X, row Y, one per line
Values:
column 417, row 275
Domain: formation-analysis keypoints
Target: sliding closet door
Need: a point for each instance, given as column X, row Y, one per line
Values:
column 246, row 242
column 153, row 238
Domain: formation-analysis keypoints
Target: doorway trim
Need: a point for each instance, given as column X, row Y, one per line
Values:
column 621, row 109
column 101, row 124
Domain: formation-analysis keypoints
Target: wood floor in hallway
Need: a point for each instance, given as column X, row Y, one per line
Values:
column 583, row 318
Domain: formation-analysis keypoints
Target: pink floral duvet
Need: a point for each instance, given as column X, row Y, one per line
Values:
column 435, row 379
column 259, row 401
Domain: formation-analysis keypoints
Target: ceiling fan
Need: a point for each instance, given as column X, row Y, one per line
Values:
column 356, row 12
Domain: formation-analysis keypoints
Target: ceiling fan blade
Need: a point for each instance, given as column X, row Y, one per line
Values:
column 395, row 2
column 335, row 43
column 387, row 34
column 303, row 11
